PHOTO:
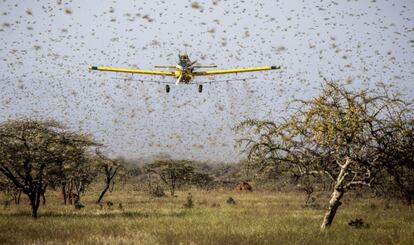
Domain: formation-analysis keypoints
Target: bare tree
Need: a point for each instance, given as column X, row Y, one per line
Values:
column 109, row 168
column 76, row 173
column 82, row 174
column 335, row 134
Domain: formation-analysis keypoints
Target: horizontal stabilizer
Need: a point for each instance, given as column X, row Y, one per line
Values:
column 204, row 66
column 164, row 66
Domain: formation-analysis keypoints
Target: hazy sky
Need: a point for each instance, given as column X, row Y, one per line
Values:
column 45, row 47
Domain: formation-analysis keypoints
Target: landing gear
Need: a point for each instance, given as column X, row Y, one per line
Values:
column 200, row 88
column 167, row 88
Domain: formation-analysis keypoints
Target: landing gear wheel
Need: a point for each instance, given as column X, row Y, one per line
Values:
column 200, row 88
column 167, row 88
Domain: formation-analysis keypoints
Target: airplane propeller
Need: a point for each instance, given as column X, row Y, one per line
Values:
column 179, row 79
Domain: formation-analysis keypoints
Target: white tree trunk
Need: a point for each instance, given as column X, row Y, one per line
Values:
column 336, row 196
column 334, row 204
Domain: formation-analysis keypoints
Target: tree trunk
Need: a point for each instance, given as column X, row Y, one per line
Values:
column 76, row 199
column 172, row 190
column 44, row 199
column 70, row 199
column 103, row 193
column 172, row 186
column 70, row 193
column 34, row 203
column 17, row 197
column 337, row 194
column 34, row 211
column 64, row 195
column 334, row 204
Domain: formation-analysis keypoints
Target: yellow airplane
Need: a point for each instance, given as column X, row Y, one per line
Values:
column 184, row 71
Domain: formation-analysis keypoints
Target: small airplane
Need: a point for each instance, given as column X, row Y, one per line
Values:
column 184, row 71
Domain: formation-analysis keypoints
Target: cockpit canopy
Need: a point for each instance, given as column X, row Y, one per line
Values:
column 184, row 58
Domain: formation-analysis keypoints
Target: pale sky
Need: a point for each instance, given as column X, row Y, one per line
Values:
column 45, row 47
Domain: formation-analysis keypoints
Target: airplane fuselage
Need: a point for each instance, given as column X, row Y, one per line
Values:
column 185, row 75
column 184, row 71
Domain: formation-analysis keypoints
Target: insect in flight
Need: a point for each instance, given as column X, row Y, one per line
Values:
column 184, row 71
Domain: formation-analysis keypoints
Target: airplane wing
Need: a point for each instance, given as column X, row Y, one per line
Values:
column 239, row 70
column 149, row 72
column 140, row 80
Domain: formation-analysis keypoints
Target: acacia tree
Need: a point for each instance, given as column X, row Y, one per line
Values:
column 76, row 172
column 173, row 173
column 80, row 176
column 109, row 168
column 335, row 134
column 397, row 144
column 33, row 152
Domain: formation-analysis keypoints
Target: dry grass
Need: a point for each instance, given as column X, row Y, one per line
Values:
column 257, row 218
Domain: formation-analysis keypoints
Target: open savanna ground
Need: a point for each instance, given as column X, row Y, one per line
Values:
column 256, row 218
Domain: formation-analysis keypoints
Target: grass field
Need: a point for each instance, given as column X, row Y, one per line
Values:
column 257, row 218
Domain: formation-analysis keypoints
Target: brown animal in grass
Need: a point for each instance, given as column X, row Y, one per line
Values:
column 244, row 186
